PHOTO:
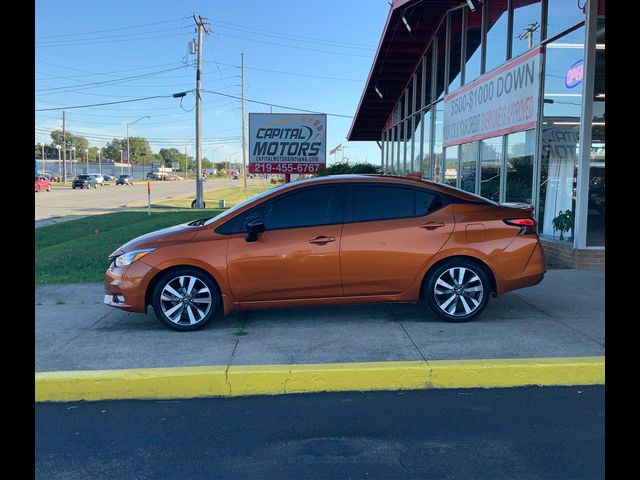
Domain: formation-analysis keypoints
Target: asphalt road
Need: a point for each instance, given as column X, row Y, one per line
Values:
column 64, row 201
column 524, row 433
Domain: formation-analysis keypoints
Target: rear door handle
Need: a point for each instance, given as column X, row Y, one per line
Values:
column 322, row 240
column 432, row 225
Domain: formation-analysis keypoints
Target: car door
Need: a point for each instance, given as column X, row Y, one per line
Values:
column 297, row 256
column 389, row 235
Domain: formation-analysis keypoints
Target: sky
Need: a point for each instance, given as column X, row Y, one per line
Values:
column 306, row 55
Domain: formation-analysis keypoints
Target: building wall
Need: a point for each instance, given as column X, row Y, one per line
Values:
column 540, row 166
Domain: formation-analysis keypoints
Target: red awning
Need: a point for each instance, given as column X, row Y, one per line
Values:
column 396, row 58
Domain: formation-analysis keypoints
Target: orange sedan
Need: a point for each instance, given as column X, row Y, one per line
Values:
column 332, row 240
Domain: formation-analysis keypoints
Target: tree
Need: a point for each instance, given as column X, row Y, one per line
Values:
column 345, row 168
column 112, row 150
column 71, row 141
column 140, row 150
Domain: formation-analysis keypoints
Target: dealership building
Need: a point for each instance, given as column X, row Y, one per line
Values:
column 501, row 98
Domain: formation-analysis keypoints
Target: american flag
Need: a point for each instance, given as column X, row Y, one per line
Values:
column 337, row 149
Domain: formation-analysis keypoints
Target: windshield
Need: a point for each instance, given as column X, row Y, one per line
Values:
column 238, row 206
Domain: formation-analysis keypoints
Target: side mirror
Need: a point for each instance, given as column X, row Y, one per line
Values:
column 254, row 227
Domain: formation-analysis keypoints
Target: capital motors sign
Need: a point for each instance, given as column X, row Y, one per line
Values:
column 287, row 143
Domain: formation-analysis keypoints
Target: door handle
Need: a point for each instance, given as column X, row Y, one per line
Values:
column 322, row 240
column 432, row 225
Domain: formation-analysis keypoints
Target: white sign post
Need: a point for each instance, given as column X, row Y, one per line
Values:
column 502, row 101
column 286, row 143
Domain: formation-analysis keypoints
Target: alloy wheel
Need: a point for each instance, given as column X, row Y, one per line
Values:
column 458, row 291
column 185, row 300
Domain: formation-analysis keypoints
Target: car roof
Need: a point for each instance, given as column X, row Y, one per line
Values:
column 412, row 181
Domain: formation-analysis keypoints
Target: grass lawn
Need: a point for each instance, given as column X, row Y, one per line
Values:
column 76, row 251
column 232, row 195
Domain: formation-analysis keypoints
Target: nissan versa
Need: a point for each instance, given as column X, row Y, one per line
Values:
column 332, row 240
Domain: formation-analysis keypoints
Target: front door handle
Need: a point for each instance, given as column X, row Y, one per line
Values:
column 322, row 240
column 432, row 225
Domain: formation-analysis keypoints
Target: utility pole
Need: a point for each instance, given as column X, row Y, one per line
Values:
column 42, row 146
column 199, row 203
column 186, row 162
column 99, row 163
column 244, row 158
column 528, row 33
column 64, row 150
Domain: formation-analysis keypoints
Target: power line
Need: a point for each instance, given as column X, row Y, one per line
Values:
column 296, row 73
column 99, row 104
column 131, row 36
column 294, row 46
column 87, row 43
column 143, row 75
column 279, row 106
column 115, row 29
column 298, row 37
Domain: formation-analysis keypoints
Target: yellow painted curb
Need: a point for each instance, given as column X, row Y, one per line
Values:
column 193, row 382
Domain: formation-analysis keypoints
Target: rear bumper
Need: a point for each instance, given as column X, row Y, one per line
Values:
column 532, row 273
column 126, row 288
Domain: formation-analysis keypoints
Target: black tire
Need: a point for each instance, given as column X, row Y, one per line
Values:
column 193, row 204
column 182, row 323
column 49, row 188
column 452, row 304
column 73, row 188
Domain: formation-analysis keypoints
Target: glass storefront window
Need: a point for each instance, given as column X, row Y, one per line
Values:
column 419, row 98
column 417, row 164
column 455, row 47
column 519, row 169
column 469, row 161
column 596, row 210
column 428, row 69
column 426, row 145
column 497, row 20
column 560, row 133
column 440, row 70
column 473, row 52
column 562, row 14
column 526, row 26
column 490, row 161
column 451, row 166
column 406, row 155
column 437, row 143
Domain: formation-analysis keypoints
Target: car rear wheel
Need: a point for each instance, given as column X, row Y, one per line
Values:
column 457, row 290
column 185, row 299
column 48, row 188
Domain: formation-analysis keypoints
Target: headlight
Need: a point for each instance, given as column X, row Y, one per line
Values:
column 130, row 257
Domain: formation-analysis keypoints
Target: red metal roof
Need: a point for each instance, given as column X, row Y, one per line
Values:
column 396, row 58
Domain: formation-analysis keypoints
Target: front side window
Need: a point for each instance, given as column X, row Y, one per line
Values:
column 373, row 202
column 313, row 206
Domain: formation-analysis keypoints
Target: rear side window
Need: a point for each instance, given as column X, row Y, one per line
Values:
column 374, row 202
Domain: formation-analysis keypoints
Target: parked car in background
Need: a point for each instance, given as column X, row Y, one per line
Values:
column 43, row 183
column 171, row 177
column 84, row 181
column 108, row 178
column 336, row 239
column 124, row 180
column 99, row 178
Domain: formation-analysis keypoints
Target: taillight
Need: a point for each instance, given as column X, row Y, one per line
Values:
column 527, row 225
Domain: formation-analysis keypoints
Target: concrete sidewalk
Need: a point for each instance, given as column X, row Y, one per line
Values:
column 561, row 317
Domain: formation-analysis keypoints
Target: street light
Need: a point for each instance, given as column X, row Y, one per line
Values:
column 42, row 146
column 86, row 168
column 99, row 163
column 128, row 150
column 212, row 152
column 73, row 160
column 59, row 160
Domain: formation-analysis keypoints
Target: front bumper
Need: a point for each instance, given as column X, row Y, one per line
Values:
column 125, row 287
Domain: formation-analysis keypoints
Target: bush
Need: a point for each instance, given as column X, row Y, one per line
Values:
column 345, row 168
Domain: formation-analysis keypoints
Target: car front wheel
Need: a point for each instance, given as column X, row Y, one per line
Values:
column 185, row 299
column 457, row 290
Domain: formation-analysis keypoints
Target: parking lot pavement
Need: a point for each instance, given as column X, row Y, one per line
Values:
column 561, row 317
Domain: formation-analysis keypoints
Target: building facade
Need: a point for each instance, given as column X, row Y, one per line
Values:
column 502, row 98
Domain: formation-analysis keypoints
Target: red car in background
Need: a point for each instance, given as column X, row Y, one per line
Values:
column 43, row 183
